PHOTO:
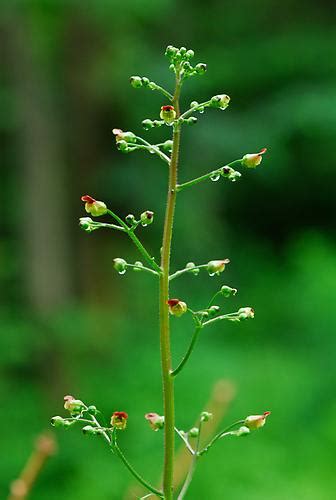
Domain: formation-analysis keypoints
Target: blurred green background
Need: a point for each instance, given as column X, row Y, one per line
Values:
column 71, row 324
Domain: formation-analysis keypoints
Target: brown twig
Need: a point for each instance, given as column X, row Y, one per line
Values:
column 45, row 446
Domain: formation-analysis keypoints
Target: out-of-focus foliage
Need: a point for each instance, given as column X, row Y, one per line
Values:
column 70, row 324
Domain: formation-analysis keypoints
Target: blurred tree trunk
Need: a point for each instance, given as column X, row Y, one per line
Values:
column 43, row 223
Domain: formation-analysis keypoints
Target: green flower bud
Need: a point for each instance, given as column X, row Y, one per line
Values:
column 168, row 114
column 130, row 219
column 74, row 406
column 177, row 307
column 190, row 54
column 216, row 266
column 229, row 173
column 171, row 51
column 200, row 68
column 227, row 291
column 191, row 267
column 242, row 431
column 183, row 51
column 94, row 207
column 147, row 124
column 120, row 265
column 191, row 121
column 138, row 266
column 168, row 146
column 194, row 432
column 136, row 81
column 145, row 81
column 206, row 416
column 92, row 410
column 89, row 429
column 57, row 421
column 213, row 310
column 220, row 101
column 253, row 160
column 87, row 224
column 123, row 136
column 123, row 146
column 193, row 104
column 245, row 313
column 146, row 218
column 254, row 422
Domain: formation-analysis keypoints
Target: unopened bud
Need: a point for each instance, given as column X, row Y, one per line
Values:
column 213, row 310
column 253, row 160
column 119, row 420
column 130, row 219
column 168, row 146
column 245, row 313
column 146, row 218
column 191, row 121
column 58, row 421
column 194, row 432
column 216, row 266
column 192, row 268
column 138, row 266
column 120, row 265
column 220, row 101
column 168, row 114
column 74, row 406
column 230, row 173
column 254, row 422
column 94, row 207
column 171, row 51
column 242, row 431
column 87, row 224
column 147, row 124
column 136, row 81
column 190, row 54
column 92, row 410
column 193, row 104
column 177, row 307
column 155, row 421
column 206, row 416
column 123, row 136
column 227, row 291
column 89, row 429
column 201, row 68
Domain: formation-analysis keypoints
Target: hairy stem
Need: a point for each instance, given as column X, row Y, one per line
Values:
column 166, row 362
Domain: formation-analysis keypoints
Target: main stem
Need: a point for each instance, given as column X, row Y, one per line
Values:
column 166, row 362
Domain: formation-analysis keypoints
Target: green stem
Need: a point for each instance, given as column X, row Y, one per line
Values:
column 189, row 351
column 155, row 148
column 164, row 92
column 220, row 318
column 136, row 242
column 220, row 435
column 195, row 108
column 206, row 176
column 167, row 379
column 192, row 466
column 186, row 442
column 132, row 470
column 186, row 270
column 142, row 268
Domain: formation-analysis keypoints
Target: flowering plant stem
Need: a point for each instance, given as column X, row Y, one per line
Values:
column 166, row 362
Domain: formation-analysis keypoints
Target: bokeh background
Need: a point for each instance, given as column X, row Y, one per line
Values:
column 70, row 324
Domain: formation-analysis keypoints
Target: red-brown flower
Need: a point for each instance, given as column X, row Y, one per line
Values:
column 94, row 207
column 119, row 420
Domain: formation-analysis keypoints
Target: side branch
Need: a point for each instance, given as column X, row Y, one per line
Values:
column 214, row 173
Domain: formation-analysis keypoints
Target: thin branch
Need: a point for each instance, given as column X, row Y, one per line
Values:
column 221, row 434
column 186, row 442
column 154, row 148
column 206, row 176
column 192, row 466
column 186, row 270
column 185, row 358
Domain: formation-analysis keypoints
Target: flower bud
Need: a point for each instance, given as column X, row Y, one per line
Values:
column 242, row 431
column 194, row 432
column 220, row 101
column 177, row 307
column 190, row 54
column 253, row 160
column 213, row 310
column 206, row 416
column 245, row 313
column 171, row 51
column 87, row 224
column 229, row 173
column 191, row 121
column 92, row 410
column 145, row 81
column 120, row 265
column 193, row 104
column 130, row 219
column 123, row 146
column 216, row 266
column 138, row 266
column 74, row 406
column 227, row 291
column 123, row 136
column 155, row 421
column 89, row 429
column 168, row 114
column 200, row 68
column 168, row 146
column 146, row 218
column 94, row 207
column 183, row 51
column 119, row 420
column 254, row 422
column 147, row 124
column 57, row 421
column 136, row 81
column 192, row 268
